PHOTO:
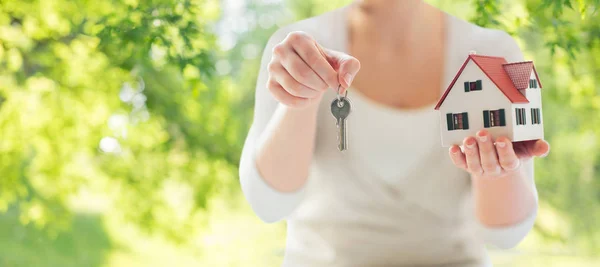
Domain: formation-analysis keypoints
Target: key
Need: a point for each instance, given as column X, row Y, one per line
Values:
column 340, row 109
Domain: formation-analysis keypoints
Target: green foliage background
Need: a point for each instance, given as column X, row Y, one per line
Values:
column 121, row 125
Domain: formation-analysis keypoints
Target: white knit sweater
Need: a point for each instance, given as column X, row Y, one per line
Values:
column 394, row 197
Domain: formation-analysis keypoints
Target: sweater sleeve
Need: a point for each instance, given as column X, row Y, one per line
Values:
column 510, row 236
column 269, row 204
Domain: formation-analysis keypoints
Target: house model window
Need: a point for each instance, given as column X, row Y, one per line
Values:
column 520, row 116
column 473, row 86
column 535, row 116
column 457, row 121
column 494, row 118
column 533, row 83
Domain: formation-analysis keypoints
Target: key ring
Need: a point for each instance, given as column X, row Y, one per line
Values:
column 339, row 96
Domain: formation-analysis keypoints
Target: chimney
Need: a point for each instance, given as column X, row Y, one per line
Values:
column 472, row 52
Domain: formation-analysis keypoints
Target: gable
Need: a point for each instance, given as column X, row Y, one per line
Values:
column 461, row 100
column 493, row 68
column 520, row 73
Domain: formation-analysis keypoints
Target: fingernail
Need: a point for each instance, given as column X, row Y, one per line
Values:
column 453, row 151
column 482, row 136
column 501, row 144
column 470, row 144
column 348, row 78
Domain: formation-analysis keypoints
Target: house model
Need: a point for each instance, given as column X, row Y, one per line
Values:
column 490, row 93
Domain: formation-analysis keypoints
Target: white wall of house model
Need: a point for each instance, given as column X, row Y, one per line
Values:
column 503, row 98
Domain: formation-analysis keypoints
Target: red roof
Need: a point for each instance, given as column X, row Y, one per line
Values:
column 520, row 72
column 493, row 67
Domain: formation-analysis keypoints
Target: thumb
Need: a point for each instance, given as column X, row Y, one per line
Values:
column 346, row 66
column 541, row 148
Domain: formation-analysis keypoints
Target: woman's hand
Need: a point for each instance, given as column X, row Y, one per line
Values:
column 301, row 70
column 484, row 158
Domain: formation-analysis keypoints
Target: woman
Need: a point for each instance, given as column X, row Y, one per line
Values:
column 395, row 197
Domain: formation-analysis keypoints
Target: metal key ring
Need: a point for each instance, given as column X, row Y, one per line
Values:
column 339, row 96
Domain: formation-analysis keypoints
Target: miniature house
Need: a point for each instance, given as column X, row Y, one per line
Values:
column 490, row 93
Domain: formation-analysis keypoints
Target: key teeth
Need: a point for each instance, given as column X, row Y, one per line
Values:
column 340, row 146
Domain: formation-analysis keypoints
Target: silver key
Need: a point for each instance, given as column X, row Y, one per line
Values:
column 340, row 109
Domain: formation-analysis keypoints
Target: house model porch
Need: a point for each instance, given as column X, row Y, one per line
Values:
column 490, row 93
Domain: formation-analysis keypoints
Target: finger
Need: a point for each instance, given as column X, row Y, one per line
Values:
column 487, row 153
column 506, row 154
column 300, row 71
column 541, row 148
column 458, row 158
column 349, row 67
column 290, row 84
column 311, row 53
column 472, row 156
column 346, row 65
column 531, row 148
column 284, row 97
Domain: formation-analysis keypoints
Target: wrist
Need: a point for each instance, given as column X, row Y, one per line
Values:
column 300, row 115
column 315, row 102
column 503, row 200
column 311, row 108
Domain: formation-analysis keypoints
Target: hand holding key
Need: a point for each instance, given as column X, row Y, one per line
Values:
column 301, row 70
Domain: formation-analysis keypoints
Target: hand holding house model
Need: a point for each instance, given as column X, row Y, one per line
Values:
column 490, row 93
